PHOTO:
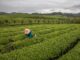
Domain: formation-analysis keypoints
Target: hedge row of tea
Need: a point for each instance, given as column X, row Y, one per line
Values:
column 73, row 54
column 14, row 37
column 55, row 44
column 21, row 19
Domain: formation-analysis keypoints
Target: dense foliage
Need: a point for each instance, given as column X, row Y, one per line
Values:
column 51, row 42
column 22, row 19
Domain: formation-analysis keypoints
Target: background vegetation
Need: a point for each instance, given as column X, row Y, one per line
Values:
column 57, row 36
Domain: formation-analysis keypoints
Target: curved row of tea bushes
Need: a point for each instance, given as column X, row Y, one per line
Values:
column 21, row 41
column 73, row 54
column 42, row 51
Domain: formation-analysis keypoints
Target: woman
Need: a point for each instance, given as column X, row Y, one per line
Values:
column 28, row 33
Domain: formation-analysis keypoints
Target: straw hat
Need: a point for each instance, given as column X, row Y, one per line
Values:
column 27, row 31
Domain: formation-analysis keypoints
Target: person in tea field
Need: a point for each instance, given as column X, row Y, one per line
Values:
column 28, row 33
